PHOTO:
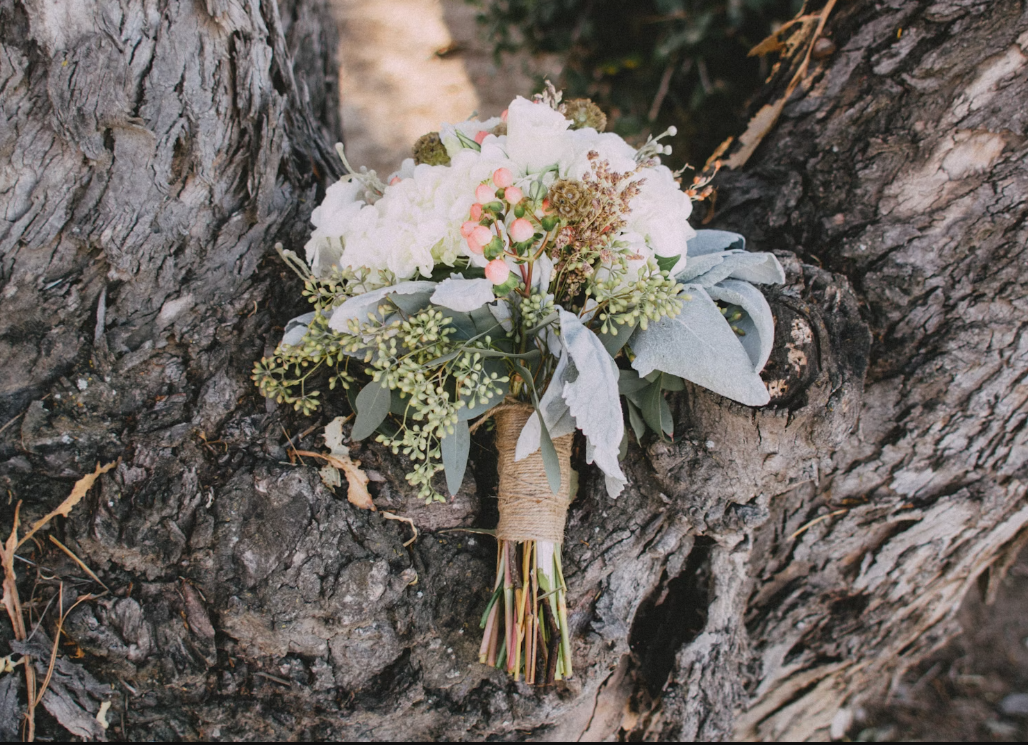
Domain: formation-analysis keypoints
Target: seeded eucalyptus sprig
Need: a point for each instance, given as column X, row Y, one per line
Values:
column 436, row 374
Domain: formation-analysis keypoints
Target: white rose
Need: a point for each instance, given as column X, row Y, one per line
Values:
column 537, row 136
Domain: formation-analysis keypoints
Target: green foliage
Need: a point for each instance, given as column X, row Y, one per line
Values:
column 649, row 63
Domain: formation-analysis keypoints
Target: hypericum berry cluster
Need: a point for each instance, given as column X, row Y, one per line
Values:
column 435, row 376
column 505, row 223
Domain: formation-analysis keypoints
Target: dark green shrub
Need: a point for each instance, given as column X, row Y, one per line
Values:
column 649, row 63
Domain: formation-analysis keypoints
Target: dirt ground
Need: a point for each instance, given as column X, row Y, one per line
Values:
column 406, row 66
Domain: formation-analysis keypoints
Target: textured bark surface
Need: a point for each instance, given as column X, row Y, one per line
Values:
column 157, row 150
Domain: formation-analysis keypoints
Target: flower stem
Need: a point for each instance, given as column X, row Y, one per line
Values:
column 536, row 636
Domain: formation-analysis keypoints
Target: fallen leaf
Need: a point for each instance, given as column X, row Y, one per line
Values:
column 357, row 493
column 101, row 716
column 391, row 516
column 765, row 119
column 81, row 488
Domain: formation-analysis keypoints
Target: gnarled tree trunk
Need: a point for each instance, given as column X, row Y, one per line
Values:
column 764, row 570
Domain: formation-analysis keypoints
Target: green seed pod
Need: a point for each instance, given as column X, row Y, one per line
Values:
column 430, row 149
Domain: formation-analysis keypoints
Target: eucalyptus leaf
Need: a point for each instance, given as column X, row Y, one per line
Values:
column 412, row 303
column 551, row 461
column 593, row 396
column 699, row 345
column 488, row 317
column 629, row 382
column 614, row 342
column 467, row 413
column 462, row 323
column 359, row 306
column 758, row 322
column 655, row 410
column 464, row 295
column 455, row 448
column 398, row 403
column 635, row 418
column 549, row 453
column 671, row 382
column 372, row 407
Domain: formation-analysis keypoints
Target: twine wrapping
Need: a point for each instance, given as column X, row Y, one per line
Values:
column 529, row 511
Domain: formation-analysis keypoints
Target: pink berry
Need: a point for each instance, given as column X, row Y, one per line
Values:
column 521, row 230
column 503, row 178
column 468, row 228
column 394, row 180
column 475, row 248
column 484, row 194
column 496, row 271
column 503, row 116
column 513, row 194
column 480, row 136
column 479, row 237
column 476, row 212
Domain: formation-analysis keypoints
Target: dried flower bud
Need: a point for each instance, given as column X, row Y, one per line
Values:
column 430, row 149
column 571, row 200
column 582, row 112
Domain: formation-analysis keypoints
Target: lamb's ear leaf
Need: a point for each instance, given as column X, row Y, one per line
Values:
column 757, row 322
column 714, row 241
column 699, row 345
column 550, row 460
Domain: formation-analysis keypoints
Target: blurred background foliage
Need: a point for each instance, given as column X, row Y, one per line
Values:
column 649, row 63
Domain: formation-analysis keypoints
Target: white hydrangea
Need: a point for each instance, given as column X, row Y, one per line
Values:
column 414, row 225
column 660, row 213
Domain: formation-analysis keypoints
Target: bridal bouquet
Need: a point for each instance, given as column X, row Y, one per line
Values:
column 533, row 270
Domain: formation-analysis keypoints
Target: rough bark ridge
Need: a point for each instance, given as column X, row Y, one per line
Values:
column 159, row 149
column 902, row 168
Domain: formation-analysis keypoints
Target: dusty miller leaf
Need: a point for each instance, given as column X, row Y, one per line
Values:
column 463, row 295
column 593, row 397
column 758, row 323
column 556, row 415
column 359, row 306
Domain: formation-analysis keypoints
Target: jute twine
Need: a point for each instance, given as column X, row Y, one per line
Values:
column 529, row 511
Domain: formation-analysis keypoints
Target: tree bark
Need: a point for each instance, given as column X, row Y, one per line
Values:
column 765, row 570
